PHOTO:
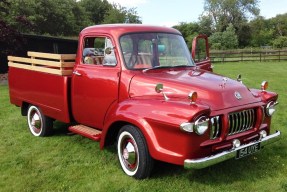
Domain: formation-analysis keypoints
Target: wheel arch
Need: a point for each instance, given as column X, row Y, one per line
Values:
column 109, row 135
column 112, row 132
column 24, row 108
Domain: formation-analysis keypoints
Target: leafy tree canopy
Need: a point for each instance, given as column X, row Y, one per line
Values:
column 62, row 17
column 224, row 40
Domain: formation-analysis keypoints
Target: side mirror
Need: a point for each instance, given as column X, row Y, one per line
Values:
column 159, row 88
column 108, row 50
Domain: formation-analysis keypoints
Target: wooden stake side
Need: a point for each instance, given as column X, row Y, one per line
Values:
column 45, row 62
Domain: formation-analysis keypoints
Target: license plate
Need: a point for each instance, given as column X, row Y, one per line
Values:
column 247, row 150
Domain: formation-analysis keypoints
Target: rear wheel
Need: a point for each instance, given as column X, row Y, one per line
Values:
column 133, row 153
column 39, row 124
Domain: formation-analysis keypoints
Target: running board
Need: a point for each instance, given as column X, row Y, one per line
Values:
column 85, row 131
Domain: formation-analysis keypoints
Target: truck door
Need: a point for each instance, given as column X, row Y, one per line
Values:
column 95, row 81
column 200, row 52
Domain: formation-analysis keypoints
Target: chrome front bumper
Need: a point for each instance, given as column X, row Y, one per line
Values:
column 214, row 159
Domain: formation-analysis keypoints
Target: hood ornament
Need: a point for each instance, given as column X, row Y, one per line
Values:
column 237, row 95
column 224, row 80
column 239, row 78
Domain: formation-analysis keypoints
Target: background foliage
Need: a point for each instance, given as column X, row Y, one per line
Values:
column 251, row 29
column 62, row 17
column 229, row 23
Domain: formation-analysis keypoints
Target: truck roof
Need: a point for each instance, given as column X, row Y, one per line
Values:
column 120, row 29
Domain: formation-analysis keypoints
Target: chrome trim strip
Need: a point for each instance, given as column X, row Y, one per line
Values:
column 225, row 155
column 217, row 127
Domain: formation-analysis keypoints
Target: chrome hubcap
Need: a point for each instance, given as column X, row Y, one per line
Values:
column 35, row 122
column 129, row 154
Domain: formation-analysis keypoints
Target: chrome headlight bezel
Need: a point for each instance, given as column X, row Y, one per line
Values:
column 201, row 125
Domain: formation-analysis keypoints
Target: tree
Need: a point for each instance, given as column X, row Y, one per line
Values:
column 224, row 12
column 261, row 32
column 52, row 17
column 236, row 12
column 224, row 40
column 279, row 24
column 11, row 40
column 280, row 42
column 244, row 35
column 205, row 25
column 132, row 16
column 189, row 31
column 119, row 14
column 96, row 9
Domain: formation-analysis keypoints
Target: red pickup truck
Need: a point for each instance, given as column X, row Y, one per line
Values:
column 140, row 87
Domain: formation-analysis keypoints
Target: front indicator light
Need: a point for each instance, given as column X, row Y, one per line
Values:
column 264, row 86
column 192, row 96
column 188, row 127
column 262, row 134
column 236, row 143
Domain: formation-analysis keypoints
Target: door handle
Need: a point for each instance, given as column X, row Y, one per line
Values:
column 77, row 73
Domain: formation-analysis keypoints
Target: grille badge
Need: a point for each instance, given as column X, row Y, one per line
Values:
column 237, row 95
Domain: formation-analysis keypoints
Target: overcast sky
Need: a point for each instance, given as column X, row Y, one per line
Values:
column 171, row 12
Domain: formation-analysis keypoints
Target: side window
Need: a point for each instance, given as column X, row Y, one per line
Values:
column 127, row 48
column 98, row 51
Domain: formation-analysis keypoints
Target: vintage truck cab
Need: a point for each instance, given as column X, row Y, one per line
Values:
column 140, row 87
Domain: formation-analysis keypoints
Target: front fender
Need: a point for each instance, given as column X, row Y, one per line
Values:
column 159, row 122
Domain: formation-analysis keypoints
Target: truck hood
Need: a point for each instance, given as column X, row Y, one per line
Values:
column 216, row 91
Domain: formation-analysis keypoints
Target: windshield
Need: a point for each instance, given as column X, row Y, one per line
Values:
column 154, row 50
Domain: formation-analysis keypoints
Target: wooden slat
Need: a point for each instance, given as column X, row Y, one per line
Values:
column 68, row 56
column 44, row 55
column 19, row 59
column 19, row 65
column 39, row 69
column 52, row 55
column 47, row 70
column 46, row 63
column 36, row 61
column 68, row 64
column 66, row 72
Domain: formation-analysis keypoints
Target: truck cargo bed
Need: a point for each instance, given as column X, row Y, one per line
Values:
column 41, row 85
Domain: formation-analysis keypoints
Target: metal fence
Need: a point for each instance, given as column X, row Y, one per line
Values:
column 238, row 56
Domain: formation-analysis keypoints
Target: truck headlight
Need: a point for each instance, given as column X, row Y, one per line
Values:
column 200, row 126
column 270, row 108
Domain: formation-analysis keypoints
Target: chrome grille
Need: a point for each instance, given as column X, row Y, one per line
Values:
column 215, row 127
column 241, row 121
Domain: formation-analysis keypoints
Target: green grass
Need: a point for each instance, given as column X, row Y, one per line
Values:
column 73, row 163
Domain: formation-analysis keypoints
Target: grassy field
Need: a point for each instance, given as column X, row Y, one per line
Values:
column 66, row 162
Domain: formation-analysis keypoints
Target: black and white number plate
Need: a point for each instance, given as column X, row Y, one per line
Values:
column 247, row 150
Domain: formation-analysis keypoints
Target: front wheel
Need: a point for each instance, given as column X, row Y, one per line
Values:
column 133, row 153
column 39, row 124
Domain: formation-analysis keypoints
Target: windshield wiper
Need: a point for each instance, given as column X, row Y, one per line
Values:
column 156, row 67
column 182, row 66
column 163, row 67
